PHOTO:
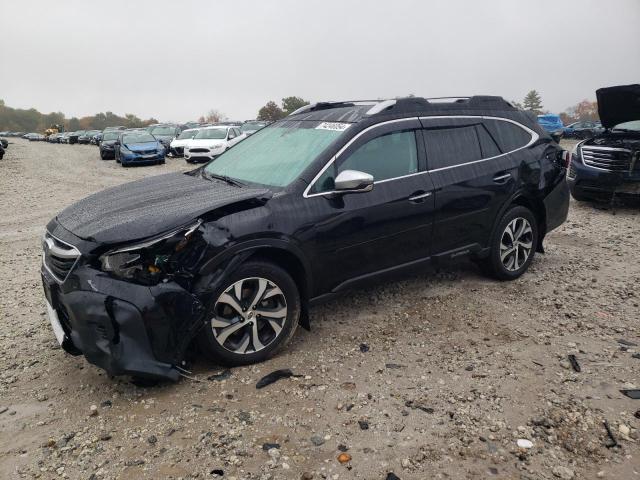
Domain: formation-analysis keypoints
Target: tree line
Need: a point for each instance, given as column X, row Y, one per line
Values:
column 583, row 111
column 31, row 120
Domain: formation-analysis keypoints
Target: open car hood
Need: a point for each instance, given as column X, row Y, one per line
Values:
column 618, row 104
column 149, row 207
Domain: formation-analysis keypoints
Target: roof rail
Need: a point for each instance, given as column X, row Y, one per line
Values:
column 380, row 106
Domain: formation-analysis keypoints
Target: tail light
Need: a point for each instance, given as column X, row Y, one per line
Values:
column 565, row 158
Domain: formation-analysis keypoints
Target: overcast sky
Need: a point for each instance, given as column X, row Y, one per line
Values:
column 175, row 60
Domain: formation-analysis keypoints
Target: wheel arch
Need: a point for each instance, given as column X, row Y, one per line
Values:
column 523, row 199
column 283, row 253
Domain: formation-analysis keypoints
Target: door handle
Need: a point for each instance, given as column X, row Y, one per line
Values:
column 419, row 197
column 502, row 178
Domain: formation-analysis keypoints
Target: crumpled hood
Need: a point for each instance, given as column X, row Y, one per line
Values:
column 149, row 207
column 618, row 104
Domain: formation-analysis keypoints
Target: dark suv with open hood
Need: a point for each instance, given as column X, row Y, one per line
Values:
column 337, row 194
column 609, row 163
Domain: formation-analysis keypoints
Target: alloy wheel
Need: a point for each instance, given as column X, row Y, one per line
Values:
column 516, row 244
column 249, row 315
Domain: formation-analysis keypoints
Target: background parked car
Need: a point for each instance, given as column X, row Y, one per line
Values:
column 54, row 138
column 64, row 137
column 252, row 127
column 165, row 133
column 138, row 147
column 210, row 142
column 73, row 138
column 34, row 137
column 108, row 144
column 176, row 147
column 583, row 129
column 552, row 124
column 86, row 136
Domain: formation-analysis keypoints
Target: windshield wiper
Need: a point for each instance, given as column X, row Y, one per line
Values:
column 224, row 178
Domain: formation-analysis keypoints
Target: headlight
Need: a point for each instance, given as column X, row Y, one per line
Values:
column 147, row 262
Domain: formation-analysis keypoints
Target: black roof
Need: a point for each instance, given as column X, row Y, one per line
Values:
column 354, row 111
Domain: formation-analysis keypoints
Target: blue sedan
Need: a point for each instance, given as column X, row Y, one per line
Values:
column 138, row 147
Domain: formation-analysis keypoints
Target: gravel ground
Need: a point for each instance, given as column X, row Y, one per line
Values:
column 435, row 376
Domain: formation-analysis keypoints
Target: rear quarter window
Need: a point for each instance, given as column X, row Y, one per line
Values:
column 507, row 135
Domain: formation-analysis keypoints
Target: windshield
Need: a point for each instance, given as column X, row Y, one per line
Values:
column 632, row 125
column 110, row 136
column 212, row 133
column 187, row 134
column 275, row 156
column 163, row 130
column 141, row 137
column 252, row 127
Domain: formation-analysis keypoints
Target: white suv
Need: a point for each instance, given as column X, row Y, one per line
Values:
column 210, row 142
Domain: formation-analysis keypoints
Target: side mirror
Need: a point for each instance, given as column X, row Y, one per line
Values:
column 353, row 181
column 557, row 136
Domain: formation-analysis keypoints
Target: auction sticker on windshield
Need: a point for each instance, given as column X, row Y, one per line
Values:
column 338, row 127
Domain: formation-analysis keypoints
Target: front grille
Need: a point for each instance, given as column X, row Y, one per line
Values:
column 198, row 150
column 607, row 158
column 179, row 150
column 146, row 152
column 58, row 257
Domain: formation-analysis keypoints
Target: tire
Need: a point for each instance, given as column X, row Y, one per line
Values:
column 283, row 298
column 512, row 266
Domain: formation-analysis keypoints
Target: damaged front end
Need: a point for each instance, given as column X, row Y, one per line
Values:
column 131, row 310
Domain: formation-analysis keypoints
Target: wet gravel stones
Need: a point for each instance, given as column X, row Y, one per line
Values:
column 432, row 415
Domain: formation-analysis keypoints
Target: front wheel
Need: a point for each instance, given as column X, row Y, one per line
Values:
column 252, row 316
column 513, row 244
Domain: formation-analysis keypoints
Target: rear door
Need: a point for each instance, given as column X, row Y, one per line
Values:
column 474, row 168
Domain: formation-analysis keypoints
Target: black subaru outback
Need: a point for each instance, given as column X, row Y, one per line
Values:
column 232, row 254
column 609, row 163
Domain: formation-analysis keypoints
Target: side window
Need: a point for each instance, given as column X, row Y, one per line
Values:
column 388, row 156
column 509, row 136
column 447, row 147
column 232, row 134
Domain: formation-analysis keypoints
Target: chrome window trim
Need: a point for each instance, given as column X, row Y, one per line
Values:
column 72, row 247
column 534, row 138
column 306, row 193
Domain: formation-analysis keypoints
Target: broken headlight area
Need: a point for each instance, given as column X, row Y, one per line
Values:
column 171, row 256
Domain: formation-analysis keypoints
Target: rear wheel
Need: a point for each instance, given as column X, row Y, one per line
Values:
column 513, row 244
column 253, row 315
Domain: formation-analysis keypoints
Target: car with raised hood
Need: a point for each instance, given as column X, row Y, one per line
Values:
column 107, row 146
column 211, row 142
column 608, row 165
column 138, row 147
column 232, row 254
column 176, row 148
